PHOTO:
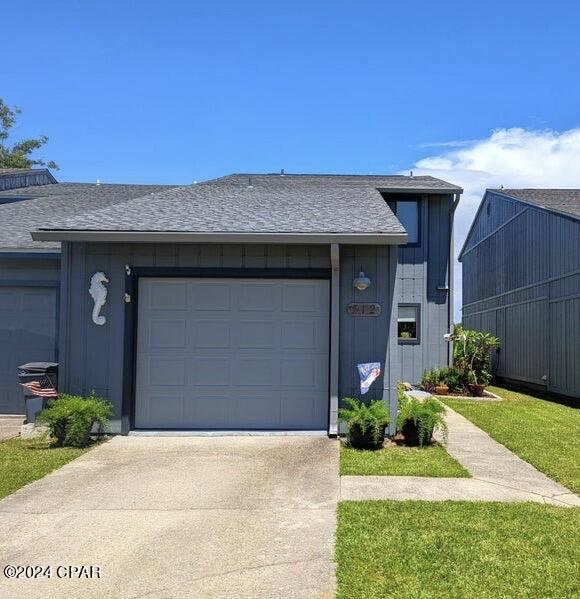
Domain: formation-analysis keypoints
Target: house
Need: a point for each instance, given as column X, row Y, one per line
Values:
column 30, row 270
column 246, row 302
column 521, row 282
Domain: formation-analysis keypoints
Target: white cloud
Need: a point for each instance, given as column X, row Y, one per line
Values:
column 510, row 157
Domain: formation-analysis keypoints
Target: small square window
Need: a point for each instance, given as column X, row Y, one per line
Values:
column 408, row 323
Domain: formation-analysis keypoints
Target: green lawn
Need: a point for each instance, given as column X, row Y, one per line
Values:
column 25, row 460
column 539, row 430
column 416, row 549
column 400, row 461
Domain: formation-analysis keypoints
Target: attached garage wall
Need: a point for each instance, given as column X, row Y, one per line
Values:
column 92, row 355
column 28, row 321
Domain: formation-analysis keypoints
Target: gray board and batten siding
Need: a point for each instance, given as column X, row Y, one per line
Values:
column 349, row 227
column 92, row 356
column 423, row 278
column 521, row 282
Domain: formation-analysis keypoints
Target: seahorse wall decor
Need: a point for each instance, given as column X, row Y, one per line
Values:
column 98, row 292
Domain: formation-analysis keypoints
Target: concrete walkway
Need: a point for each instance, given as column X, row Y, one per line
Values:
column 175, row 517
column 498, row 475
column 10, row 425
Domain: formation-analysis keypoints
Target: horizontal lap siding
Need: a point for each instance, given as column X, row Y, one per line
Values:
column 94, row 354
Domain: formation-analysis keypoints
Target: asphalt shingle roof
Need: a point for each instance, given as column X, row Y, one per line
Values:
column 40, row 203
column 248, row 203
column 562, row 200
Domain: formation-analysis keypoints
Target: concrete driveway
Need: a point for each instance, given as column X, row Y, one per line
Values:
column 10, row 426
column 180, row 517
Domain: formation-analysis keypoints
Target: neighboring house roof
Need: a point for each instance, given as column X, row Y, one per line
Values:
column 14, row 178
column 559, row 200
column 31, row 207
column 243, row 205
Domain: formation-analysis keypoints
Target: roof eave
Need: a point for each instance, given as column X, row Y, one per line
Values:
column 194, row 237
column 423, row 190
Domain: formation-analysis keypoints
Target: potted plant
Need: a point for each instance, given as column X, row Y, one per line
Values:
column 430, row 380
column 478, row 382
column 471, row 354
column 366, row 422
column 434, row 381
column 419, row 418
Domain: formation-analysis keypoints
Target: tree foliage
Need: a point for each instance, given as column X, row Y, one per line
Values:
column 18, row 153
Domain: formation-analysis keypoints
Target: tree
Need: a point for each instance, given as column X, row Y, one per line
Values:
column 18, row 155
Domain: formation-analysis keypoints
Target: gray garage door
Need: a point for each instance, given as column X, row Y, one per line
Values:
column 232, row 354
column 27, row 334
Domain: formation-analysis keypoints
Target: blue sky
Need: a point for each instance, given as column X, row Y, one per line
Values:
column 179, row 91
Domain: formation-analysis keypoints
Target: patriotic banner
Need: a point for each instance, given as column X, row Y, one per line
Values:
column 368, row 374
column 42, row 387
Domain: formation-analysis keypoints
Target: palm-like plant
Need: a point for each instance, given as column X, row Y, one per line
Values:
column 471, row 353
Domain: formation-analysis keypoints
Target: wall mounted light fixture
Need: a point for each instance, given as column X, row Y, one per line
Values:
column 362, row 282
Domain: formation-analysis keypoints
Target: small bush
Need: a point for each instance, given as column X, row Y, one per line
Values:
column 70, row 418
column 431, row 379
column 366, row 422
column 455, row 378
column 419, row 418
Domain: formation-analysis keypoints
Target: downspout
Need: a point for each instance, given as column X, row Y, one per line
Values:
column 450, row 296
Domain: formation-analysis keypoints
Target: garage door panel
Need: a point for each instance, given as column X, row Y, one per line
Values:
column 166, row 409
column 211, row 297
column 302, row 410
column 238, row 369
column 300, row 298
column 27, row 334
column 250, row 409
column 301, row 335
column 211, row 371
column 207, row 411
column 167, row 334
column 257, row 372
column 256, row 334
column 299, row 372
column 168, row 296
column 258, row 298
column 212, row 334
column 165, row 371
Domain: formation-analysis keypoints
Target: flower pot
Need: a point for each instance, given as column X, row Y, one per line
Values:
column 475, row 390
column 410, row 431
column 442, row 390
column 360, row 440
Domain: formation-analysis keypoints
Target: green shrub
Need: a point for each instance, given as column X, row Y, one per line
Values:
column 364, row 420
column 431, row 379
column 71, row 418
column 454, row 378
column 420, row 418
